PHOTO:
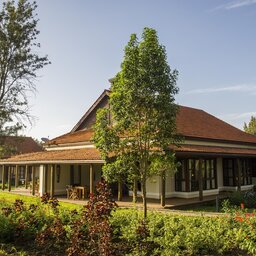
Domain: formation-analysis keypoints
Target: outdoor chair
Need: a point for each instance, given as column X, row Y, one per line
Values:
column 72, row 193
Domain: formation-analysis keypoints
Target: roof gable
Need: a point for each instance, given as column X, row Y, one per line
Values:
column 89, row 117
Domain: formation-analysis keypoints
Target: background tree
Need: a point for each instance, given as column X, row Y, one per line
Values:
column 251, row 127
column 143, row 114
column 19, row 62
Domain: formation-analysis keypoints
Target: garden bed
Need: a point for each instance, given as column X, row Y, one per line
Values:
column 43, row 227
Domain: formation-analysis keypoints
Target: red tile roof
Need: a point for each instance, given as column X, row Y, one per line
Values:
column 72, row 137
column 197, row 123
column 191, row 123
column 83, row 154
column 92, row 154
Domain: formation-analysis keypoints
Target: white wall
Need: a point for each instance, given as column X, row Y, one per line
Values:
column 153, row 187
column 60, row 187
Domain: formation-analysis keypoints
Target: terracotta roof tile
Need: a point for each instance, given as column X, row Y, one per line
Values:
column 190, row 122
column 57, row 155
column 72, row 137
column 197, row 123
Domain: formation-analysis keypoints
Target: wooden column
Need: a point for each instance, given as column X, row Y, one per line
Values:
column 135, row 189
column 16, row 176
column 80, row 174
column 163, row 189
column 52, row 174
column 120, row 191
column 91, row 179
column 9, row 178
column 239, row 172
column 26, row 176
column 71, row 174
column 33, row 180
column 3, row 177
column 46, row 178
column 200, row 179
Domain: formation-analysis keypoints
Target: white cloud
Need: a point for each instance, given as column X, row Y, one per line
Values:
column 237, row 116
column 245, row 88
column 237, row 119
column 236, row 4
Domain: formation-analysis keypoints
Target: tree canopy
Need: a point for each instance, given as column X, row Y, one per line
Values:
column 134, row 135
column 19, row 62
column 251, row 126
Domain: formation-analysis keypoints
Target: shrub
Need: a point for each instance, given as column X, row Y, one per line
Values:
column 178, row 235
column 94, row 226
column 101, row 229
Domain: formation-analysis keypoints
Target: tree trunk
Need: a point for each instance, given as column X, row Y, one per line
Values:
column 120, row 190
column 163, row 190
column 144, row 196
column 135, row 189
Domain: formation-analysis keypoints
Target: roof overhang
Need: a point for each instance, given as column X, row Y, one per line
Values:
column 52, row 162
column 200, row 150
column 206, row 139
column 68, row 156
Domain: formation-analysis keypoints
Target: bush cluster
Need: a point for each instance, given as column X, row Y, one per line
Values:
column 100, row 229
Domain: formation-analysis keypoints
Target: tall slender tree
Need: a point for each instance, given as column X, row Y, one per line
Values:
column 19, row 62
column 143, row 111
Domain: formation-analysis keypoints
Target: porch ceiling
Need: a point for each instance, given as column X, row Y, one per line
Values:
column 213, row 150
column 84, row 155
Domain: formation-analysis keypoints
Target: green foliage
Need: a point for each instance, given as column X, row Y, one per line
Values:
column 251, row 126
column 136, row 140
column 9, row 250
column 180, row 235
column 98, row 230
column 19, row 62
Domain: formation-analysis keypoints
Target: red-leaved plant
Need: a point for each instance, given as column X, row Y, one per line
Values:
column 92, row 234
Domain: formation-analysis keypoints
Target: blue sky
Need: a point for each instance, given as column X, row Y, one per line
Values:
column 211, row 43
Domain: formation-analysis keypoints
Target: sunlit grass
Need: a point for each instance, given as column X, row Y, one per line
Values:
column 7, row 198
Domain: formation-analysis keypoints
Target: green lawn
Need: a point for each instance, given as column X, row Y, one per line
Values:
column 200, row 207
column 7, row 198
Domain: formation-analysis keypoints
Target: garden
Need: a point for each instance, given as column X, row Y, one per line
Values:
column 29, row 226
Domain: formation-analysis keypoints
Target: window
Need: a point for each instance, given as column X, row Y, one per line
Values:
column 230, row 171
column 22, row 173
column 186, row 178
column 253, row 164
column 229, row 176
column 246, row 172
column 180, row 177
column 209, row 174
